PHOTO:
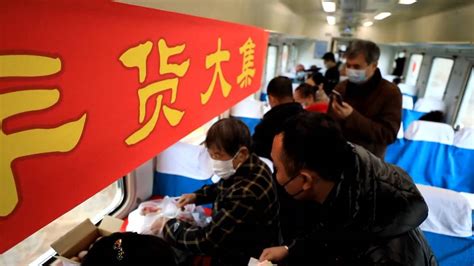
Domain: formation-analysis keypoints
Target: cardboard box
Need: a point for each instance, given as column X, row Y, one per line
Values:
column 81, row 236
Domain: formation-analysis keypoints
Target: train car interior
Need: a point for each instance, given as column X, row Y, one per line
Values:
column 426, row 49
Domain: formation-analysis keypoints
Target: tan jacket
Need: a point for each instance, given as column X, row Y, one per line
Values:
column 376, row 118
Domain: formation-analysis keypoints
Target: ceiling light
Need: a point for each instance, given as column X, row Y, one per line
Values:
column 331, row 20
column 406, row 2
column 329, row 6
column 368, row 23
column 382, row 15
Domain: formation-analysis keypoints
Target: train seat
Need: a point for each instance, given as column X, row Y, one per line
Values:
column 407, row 89
column 407, row 102
column 408, row 116
column 462, row 157
column 182, row 168
column 429, row 104
column 424, row 152
column 448, row 227
column 248, row 111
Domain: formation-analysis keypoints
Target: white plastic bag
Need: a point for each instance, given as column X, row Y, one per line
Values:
column 151, row 216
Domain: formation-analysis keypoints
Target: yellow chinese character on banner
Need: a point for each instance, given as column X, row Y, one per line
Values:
column 33, row 141
column 248, row 70
column 137, row 57
column 215, row 59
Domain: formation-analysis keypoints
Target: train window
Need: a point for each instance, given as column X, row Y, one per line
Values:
column 293, row 56
column 36, row 248
column 414, row 69
column 439, row 77
column 271, row 63
column 284, row 58
column 464, row 117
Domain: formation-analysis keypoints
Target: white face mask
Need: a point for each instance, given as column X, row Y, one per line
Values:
column 224, row 169
column 356, row 76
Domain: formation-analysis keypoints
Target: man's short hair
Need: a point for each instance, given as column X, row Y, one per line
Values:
column 306, row 90
column 318, row 78
column 228, row 135
column 280, row 88
column 315, row 142
column 329, row 57
column 369, row 49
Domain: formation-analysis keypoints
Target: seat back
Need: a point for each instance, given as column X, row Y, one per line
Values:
column 248, row 111
column 424, row 153
column 449, row 213
column 401, row 132
column 464, row 138
column 407, row 89
column 462, row 158
column 408, row 116
column 393, row 150
column 182, row 168
column 429, row 104
column 407, row 102
column 389, row 77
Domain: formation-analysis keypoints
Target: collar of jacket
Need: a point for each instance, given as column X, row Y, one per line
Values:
column 283, row 109
column 364, row 88
column 342, row 197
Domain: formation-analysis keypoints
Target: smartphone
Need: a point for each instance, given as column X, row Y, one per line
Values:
column 338, row 96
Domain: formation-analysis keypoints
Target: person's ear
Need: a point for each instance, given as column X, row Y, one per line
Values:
column 243, row 154
column 308, row 179
column 272, row 100
column 374, row 65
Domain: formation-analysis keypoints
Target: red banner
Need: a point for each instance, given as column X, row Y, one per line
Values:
column 89, row 90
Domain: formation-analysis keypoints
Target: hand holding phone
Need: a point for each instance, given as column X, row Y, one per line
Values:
column 337, row 96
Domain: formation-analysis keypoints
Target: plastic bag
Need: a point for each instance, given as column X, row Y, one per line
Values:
column 151, row 216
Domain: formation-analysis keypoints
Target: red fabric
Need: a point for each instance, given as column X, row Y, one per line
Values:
column 79, row 102
column 318, row 107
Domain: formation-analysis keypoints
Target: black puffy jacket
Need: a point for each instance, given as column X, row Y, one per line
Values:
column 371, row 217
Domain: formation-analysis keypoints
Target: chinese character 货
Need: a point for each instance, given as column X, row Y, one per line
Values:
column 137, row 57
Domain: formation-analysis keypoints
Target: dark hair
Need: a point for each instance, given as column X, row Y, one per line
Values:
column 397, row 80
column 318, row 78
column 306, row 90
column 369, row 49
column 314, row 141
column 228, row 135
column 433, row 116
column 130, row 249
column 329, row 57
column 280, row 87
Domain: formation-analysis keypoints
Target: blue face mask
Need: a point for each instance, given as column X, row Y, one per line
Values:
column 300, row 75
column 356, row 76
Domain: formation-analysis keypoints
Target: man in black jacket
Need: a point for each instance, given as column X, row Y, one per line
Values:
column 369, row 211
column 280, row 94
column 280, row 97
column 331, row 76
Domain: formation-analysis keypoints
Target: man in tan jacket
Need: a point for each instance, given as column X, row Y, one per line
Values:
column 370, row 113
